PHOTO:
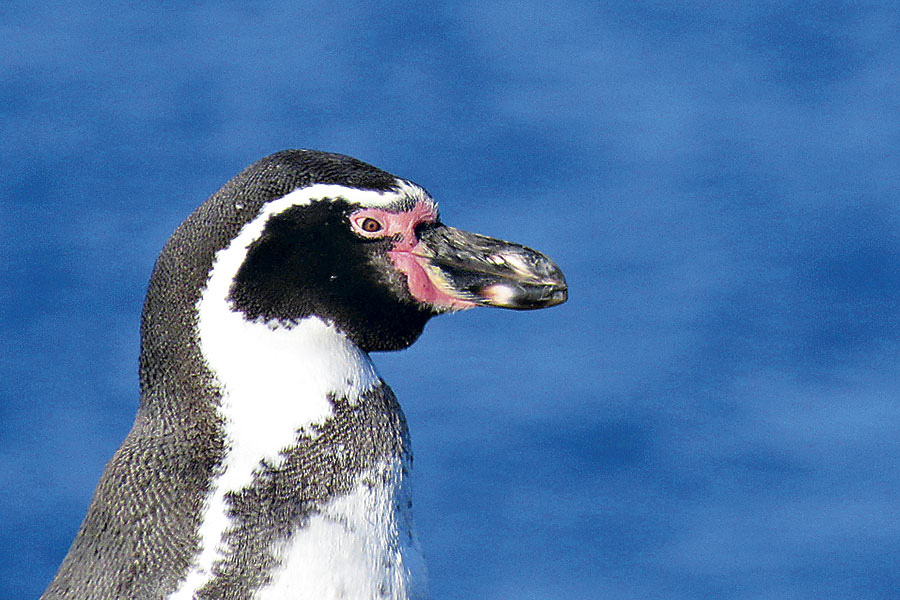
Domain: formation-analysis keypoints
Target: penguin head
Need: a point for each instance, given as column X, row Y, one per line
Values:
column 306, row 234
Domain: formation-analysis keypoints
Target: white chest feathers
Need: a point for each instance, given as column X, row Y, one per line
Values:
column 306, row 416
column 359, row 546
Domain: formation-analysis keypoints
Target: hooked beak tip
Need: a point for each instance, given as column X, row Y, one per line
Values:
column 523, row 296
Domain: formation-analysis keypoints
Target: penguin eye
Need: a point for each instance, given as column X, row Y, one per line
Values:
column 370, row 225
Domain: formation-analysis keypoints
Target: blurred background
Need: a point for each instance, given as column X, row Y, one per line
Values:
column 713, row 414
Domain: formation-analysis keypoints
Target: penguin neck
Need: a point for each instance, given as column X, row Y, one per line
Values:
column 275, row 376
column 277, row 380
column 304, row 410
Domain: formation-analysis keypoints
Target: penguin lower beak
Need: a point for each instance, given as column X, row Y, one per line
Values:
column 485, row 271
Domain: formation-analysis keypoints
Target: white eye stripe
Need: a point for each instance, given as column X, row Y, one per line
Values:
column 405, row 193
column 322, row 191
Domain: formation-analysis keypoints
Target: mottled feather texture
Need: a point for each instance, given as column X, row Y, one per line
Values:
column 140, row 534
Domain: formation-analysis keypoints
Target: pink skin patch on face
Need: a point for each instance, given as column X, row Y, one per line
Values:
column 408, row 254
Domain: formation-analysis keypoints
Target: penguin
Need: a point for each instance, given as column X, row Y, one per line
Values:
column 268, row 459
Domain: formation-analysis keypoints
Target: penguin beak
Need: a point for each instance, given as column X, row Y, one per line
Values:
column 479, row 270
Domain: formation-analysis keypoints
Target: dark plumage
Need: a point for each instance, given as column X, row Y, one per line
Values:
column 232, row 459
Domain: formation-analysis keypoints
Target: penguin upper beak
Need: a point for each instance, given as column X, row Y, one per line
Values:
column 486, row 271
